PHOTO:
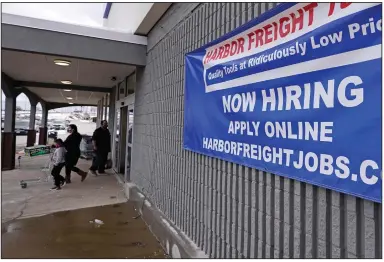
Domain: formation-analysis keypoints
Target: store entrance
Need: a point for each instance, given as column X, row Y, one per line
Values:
column 122, row 147
column 120, row 140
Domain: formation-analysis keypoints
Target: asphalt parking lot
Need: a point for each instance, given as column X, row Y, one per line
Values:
column 84, row 127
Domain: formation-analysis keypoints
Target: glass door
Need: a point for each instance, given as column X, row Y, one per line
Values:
column 116, row 141
column 122, row 141
column 129, row 143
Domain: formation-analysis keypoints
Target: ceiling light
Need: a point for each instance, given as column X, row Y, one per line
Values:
column 62, row 62
column 66, row 82
column 70, row 103
column 67, row 90
column 70, row 98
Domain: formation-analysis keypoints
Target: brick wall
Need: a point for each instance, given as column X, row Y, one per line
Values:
column 228, row 210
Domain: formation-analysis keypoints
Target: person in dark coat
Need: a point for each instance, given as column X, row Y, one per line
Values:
column 101, row 141
column 72, row 145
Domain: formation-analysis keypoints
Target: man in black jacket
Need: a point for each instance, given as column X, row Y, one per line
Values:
column 72, row 145
column 101, row 141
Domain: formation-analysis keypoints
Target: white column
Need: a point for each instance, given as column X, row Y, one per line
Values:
column 102, row 109
column 106, row 107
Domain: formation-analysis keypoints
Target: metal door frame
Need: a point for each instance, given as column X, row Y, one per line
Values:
column 129, row 145
column 126, row 101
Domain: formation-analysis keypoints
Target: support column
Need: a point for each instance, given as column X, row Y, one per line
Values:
column 98, row 114
column 102, row 110
column 43, row 132
column 31, row 138
column 106, row 107
column 111, row 121
column 8, row 136
column 112, row 110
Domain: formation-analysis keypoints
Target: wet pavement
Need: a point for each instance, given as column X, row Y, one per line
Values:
column 70, row 234
column 39, row 223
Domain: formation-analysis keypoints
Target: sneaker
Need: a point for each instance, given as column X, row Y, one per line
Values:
column 55, row 188
column 63, row 183
column 93, row 172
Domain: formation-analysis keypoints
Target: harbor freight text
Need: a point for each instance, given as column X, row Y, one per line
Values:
column 322, row 163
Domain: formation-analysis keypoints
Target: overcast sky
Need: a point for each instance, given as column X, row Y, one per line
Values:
column 90, row 14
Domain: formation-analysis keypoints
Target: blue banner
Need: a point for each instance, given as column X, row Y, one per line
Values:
column 295, row 92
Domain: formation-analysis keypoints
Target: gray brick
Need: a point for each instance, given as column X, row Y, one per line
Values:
column 321, row 220
column 277, row 231
column 296, row 243
column 247, row 242
column 297, row 211
column 268, row 229
column 228, row 251
column 336, row 252
column 187, row 188
column 351, row 232
column 253, row 247
column 268, row 251
column 287, row 208
column 234, row 253
column 287, row 230
column 351, row 203
column 369, row 238
column 309, row 216
column 321, row 249
column 308, row 246
column 351, row 255
column 368, row 208
column 260, row 246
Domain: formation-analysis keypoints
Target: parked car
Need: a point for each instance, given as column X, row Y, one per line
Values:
column 58, row 125
column 21, row 127
column 52, row 134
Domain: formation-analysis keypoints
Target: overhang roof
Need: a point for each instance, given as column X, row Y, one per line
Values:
column 54, row 38
column 154, row 14
column 37, row 72
column 30, row 45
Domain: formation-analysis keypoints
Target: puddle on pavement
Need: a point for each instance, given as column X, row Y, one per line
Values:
column 75, row 234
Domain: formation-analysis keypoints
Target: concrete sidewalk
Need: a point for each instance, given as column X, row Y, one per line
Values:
column 37, row 199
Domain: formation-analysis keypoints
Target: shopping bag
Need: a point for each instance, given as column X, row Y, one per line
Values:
column 109, row 162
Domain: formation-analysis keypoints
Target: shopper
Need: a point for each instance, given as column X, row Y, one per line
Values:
column 101, row 141
column 58, row 162
column 72, row 145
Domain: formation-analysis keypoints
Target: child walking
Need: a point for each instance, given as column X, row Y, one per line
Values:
column 58, row 161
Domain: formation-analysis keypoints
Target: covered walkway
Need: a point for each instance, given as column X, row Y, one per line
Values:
column 52, row 64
